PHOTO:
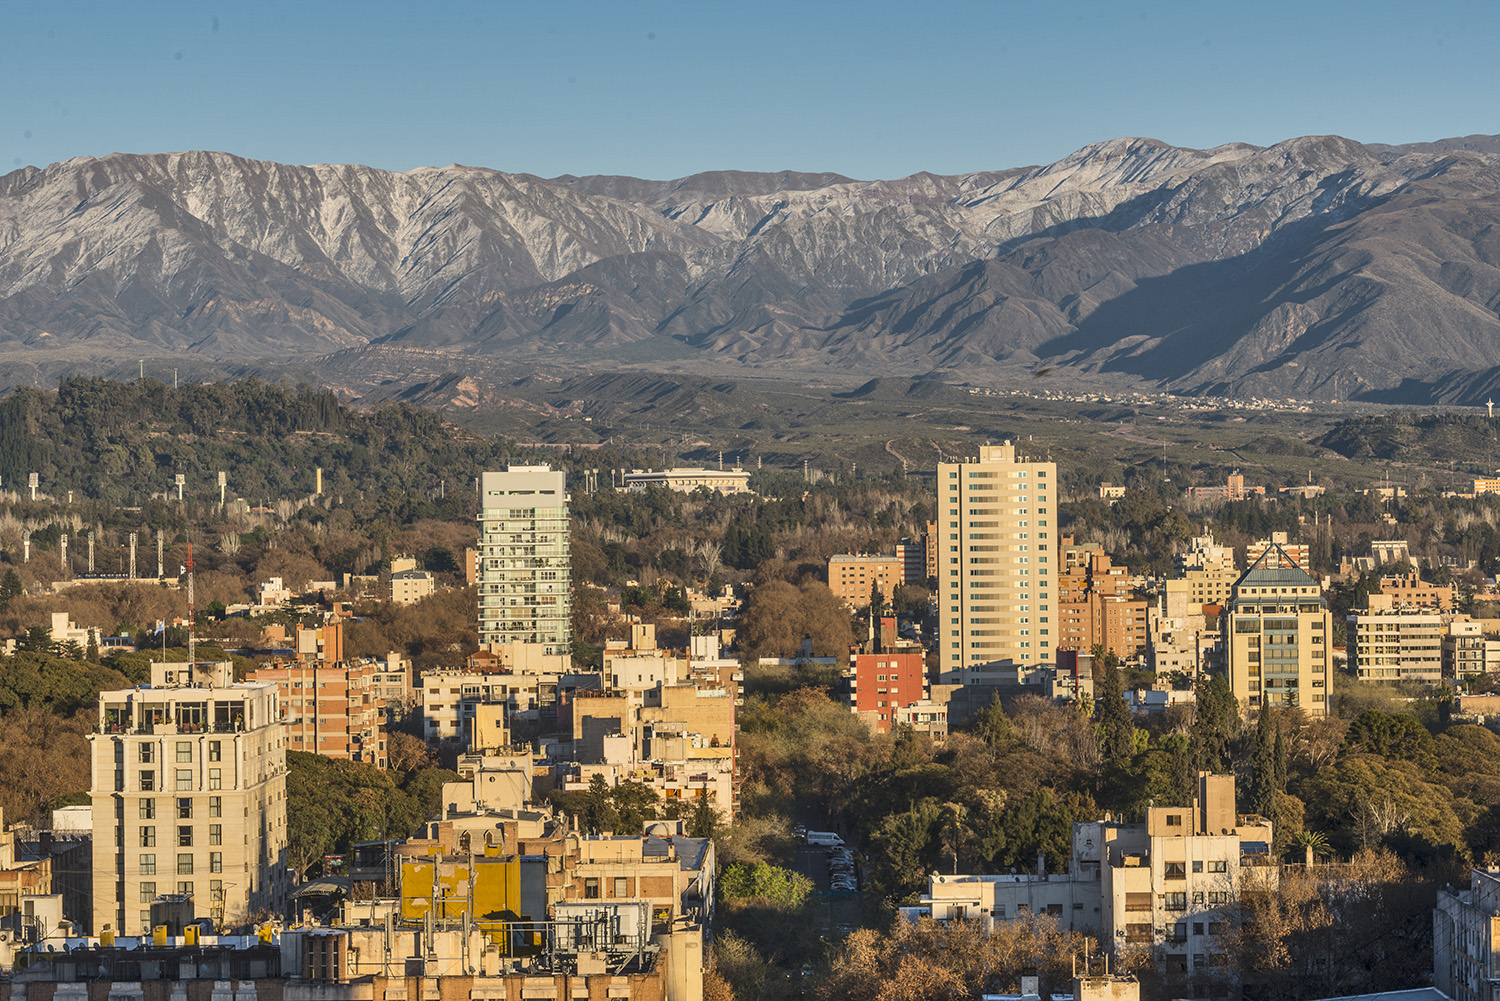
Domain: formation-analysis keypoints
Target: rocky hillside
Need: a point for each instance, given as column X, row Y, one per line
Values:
column 1316, row 268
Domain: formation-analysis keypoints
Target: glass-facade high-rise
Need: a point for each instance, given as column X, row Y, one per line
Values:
column 524, row 578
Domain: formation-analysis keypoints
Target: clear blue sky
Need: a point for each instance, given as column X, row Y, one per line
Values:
column 657, row 88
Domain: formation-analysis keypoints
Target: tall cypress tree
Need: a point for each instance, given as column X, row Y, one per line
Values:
column 1112, row 715
column 1263, row 765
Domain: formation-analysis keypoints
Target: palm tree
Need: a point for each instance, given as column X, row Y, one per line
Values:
column 1312, row 843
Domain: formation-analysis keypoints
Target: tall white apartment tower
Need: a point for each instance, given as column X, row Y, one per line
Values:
column 996, row 544
column 189, row 799
column 524, row 578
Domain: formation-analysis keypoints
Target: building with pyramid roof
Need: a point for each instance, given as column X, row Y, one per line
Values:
column 1278, row 637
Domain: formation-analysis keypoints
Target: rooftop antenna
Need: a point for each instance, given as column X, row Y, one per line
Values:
column 1490, row 403
column 192, row 636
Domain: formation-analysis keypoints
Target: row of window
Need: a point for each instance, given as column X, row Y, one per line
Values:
column 184, row 865
column 147, row 808
column 184, row 836
column 184, row 781
column 184, row 751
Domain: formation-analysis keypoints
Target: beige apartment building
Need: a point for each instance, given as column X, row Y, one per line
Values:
column 996, row 547
column 1470, row 647
column 1169, row 887
column 1277, row 635
column 524, row 576
column 189, row 799
column 852, row 577
column 1390, row 643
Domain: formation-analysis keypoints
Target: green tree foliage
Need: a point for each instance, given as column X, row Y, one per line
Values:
column 333, row 804
column 1263, row 787
column 1391, row 735
column 598, row 813
column 782, row 888
column 1112, row 715
column 56, row 684
column 991, row 725
column 1365, row 798
column 1216, row 723
column 120, row 442
column 10, row 587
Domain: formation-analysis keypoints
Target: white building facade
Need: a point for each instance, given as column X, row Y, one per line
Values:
column 524, row 566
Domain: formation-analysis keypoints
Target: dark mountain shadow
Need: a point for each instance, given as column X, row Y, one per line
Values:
column 1198, row 312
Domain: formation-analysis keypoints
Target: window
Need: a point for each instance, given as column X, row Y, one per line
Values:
column 591, row 888
column 148, row 781
column 148, row 865
column 215, row 806
column 185, row 836
column 1137, row 901
column 148, row 753
column 216, row 834
column 1197, row 866
column 1138, row 933
column 213, row 750
column 184, row 751
column 185, row 888
column 148, row 837
column 1177, row 901
column 1217, row 898
column 148, row 892
column 1218, row 865
column 1176, row 870
column 184, row 778
column 621, row 884
column 148, row 809
column 184, row 808
column 1217, row 928
column 216, row 889
column 1197, row 927
column 185, row 864
column 1174, row 820
column 1179, row 931
column 214, row 779
column 215, row 861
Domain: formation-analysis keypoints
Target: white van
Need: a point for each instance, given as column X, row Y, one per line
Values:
column 824, row 839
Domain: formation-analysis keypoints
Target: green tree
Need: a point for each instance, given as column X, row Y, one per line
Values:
column 786, row 889
column 1216, row 722
column 598, row 813
column 635, row 804
column 1112, row 715
column 991, row 725
column 1263, row 787
column 10, row 587
column 1391, row 735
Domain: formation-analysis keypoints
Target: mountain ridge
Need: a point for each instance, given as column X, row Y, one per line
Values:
column 1317, row 267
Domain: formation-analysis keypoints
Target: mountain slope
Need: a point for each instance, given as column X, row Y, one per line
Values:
column 1317, row 267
